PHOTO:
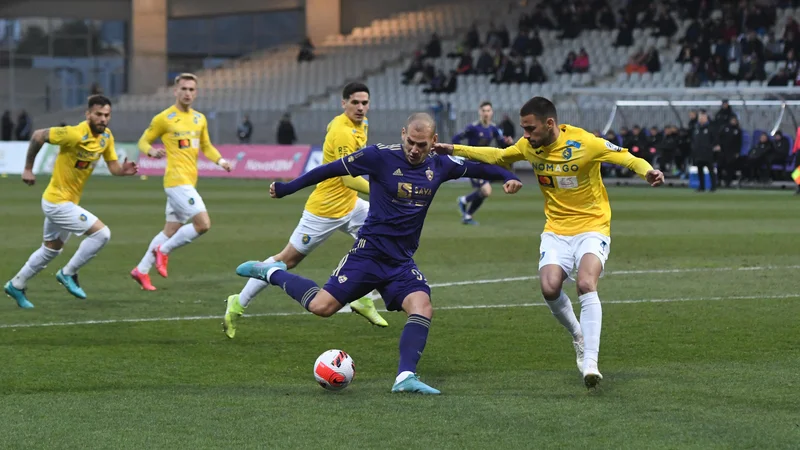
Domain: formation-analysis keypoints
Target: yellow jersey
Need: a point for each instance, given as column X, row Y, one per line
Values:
column 78, row 154
column 332, row 198
column 568, row 172
column 183, row 135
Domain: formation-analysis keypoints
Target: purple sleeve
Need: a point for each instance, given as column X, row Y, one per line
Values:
column 488, row 172
column 312, row 177
column 464, row 134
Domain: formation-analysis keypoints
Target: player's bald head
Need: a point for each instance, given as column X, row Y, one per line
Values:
column 421, row 122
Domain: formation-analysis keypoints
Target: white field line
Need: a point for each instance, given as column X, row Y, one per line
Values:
column 465, row 307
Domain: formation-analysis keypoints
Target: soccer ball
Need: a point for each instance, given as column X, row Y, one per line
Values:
column 334, row 370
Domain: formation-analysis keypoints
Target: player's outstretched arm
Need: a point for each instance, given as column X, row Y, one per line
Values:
column 608, row 152
column 358, row 184
column 488, row 155
column 310, row 178
column 211, row 152
column 512, row 183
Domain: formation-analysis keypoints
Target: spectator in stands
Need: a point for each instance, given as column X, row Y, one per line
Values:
column 781, row 156
column 665, row 24
column 24, row 126
column 791, row 27
column 506, row 71
column 465, row 64
column 581, row 63
column 306, row 51
column 286, row 134
column 7, row 126
column 485, row 63
column 697, row 73
column 434, row 47
column 725, row 113
column 606, row 19
column 521, row 43
column 416, row 66
column 245, row 130
column 752, row 68
column 497, row 36
column 730, row 143
column 536, row 72
column 685, row 55
column 653, row 60
column 791, row 63
column 703, row 146
column 781, row 78
column 624, row 35
column 774, row 48
column 443, row 84
column 536, row 47
column 569, row 63
column 752, row 44
column 757, row 159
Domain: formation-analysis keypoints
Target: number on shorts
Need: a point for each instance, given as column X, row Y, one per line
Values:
column 419, row 275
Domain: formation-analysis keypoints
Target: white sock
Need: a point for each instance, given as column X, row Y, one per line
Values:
column 591, row 321
column 35, row 264
column 86, row 251
column 183, row 236
column 253, row 287
column 149, row 258
column 402, row 376
column 563, row 312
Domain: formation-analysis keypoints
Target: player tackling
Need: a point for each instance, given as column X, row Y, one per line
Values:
column 403, row 180
column 184, row 132
column 80, row 148
column 333, row 205
column 577, row 231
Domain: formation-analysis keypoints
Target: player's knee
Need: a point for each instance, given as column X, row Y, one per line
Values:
column 586, row 285
column 103, row 235
column 202, row 227
column 486, row 190
column 323, row 309
column 418, row 304
column 56, row 245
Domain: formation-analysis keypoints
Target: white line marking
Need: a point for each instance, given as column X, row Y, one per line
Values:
column 622, row 272
column 439, row 308
column 457, row 307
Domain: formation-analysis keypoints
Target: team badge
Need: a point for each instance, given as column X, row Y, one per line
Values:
column 102, row 142
column 342, row 279
column 429, row 174
column 567, row 154
column 306, row 239
column 196, row 120
column 191, row 201
column 83, row 218
column 350, row 159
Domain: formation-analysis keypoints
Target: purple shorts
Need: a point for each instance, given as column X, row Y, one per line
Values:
column 363, row 270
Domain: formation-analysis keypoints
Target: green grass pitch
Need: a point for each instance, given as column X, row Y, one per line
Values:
column 699, row 346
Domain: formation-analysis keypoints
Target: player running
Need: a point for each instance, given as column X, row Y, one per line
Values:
column 577, row 231
column 80, row 148
column 333, row 205
column 403, row 180
column 480, row 133
column 184, row 132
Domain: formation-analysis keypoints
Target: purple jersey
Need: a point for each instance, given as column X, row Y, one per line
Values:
column 400, row 193
column 479, row 135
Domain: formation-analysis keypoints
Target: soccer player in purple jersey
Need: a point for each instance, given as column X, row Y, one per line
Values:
column 480, row 133
column 403, row 180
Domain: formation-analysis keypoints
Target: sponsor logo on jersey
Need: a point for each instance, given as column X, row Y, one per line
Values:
column 183, row 143
column 567, row 182
column 613, row 147
column 546, row 181
column 82, row 164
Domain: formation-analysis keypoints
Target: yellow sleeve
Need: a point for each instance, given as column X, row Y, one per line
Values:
column 208, row 149
column 490, row 155
column 605, row 151
column 356, row 183
column 66, row 136
column 156, row 129
column 110, row 154
column 344, row 144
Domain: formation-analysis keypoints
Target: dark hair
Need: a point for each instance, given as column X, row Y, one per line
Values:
column 540, row 107
column 486, row 103
column 352, row 88
column 97, row 100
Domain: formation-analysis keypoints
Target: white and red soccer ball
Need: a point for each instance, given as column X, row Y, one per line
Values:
column 334, row 370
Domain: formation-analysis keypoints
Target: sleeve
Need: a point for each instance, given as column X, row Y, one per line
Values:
column 312, row 177
column 358, row 184
column 464, row 134
column 460, row 168
column 362, row 162
column 491, row 155
column 154, row 131
column 110, row 154
column 67, row 136
column 498, row 135
column 206, row 147
column 605, row 151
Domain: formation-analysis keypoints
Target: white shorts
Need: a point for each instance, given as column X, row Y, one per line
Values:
column 567, row 251
column 183, row 203
column 314, row 230
column 63, row 219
